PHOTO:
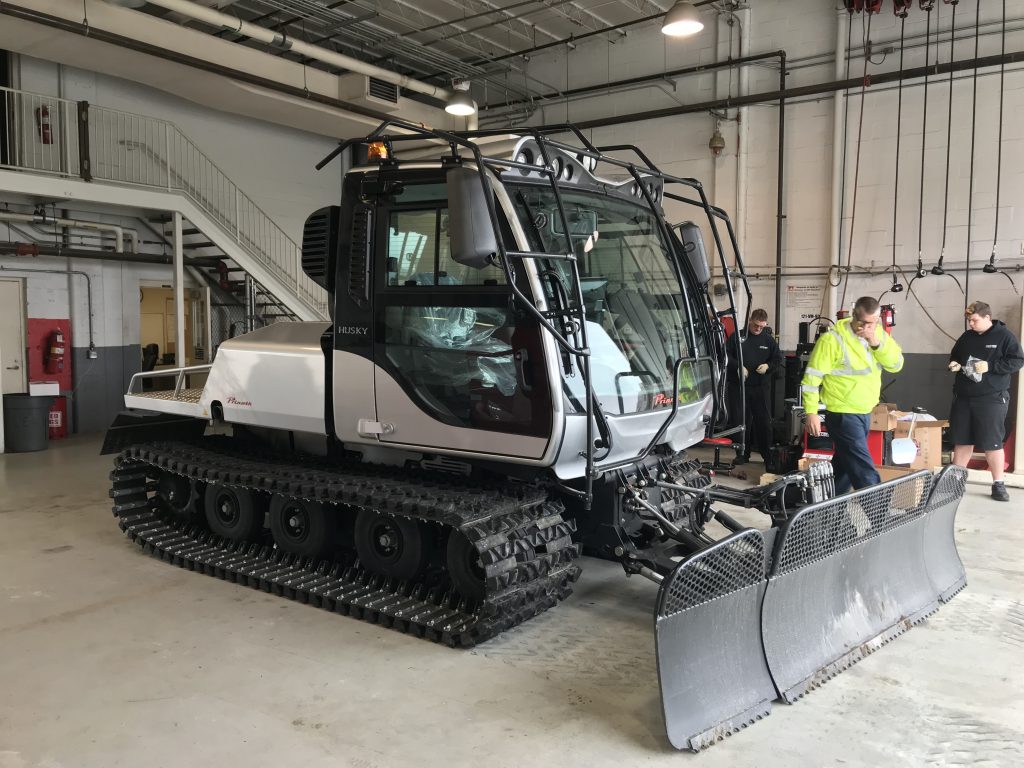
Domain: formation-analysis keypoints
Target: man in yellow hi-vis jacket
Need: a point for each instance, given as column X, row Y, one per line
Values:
column 845, row 373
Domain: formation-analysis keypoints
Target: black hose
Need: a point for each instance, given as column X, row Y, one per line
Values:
column 856, row 172
column 846, row 133
column 937, row 269
column 924, row 137
column 999, row 143
column 899, row 134
column 970, row 183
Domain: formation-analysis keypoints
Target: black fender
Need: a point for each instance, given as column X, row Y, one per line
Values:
column 134, row 426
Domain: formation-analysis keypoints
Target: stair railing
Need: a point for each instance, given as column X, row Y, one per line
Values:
column 56, row 136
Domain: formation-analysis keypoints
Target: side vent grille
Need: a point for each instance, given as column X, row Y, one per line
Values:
column 379, row 89
column 360, row 260
column 320, row 244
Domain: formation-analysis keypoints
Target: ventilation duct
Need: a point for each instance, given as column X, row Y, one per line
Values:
column 368, row 91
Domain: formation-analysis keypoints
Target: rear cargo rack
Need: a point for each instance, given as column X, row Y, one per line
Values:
column 182, row 399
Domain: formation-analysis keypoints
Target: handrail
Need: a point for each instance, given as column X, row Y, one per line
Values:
column 107, row 144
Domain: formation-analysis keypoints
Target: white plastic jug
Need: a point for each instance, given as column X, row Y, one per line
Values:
column 904, row 449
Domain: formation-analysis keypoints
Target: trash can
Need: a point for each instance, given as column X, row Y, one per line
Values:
column 26, row 422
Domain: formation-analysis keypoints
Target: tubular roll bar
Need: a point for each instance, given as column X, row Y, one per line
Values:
column 572, row 338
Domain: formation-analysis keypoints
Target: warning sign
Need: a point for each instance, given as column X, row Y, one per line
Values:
column 803, row 296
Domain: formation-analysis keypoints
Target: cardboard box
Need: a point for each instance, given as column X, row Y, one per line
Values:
column 884, row 416
column 928, row 436
column 908, row 496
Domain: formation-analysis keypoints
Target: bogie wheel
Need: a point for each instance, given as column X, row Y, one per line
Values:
column 235, row 513
column 464, row 567
column 301, row 527
column 391, row 546
column 177, row 494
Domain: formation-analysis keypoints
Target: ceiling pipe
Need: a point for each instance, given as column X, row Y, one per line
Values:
column 806, row 90
column 283, row 42
column 117, row 231
column 61, row 251
column 129, row 43
column 577, row 38
column 698, row 69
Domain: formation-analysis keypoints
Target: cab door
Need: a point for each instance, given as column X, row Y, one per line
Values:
column 457, row 367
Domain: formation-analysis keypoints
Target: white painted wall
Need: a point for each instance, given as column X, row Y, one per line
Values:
column 271, row 164
column 806, row 29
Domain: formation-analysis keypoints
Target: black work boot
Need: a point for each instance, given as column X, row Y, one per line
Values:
column 999, row 492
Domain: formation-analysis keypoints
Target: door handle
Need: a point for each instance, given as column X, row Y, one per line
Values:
column 13, row 367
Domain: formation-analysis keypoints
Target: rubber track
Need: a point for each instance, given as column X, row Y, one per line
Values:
column 524, row 544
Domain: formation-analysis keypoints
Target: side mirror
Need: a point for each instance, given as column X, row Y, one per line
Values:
column 692, row 243
column 472, row 237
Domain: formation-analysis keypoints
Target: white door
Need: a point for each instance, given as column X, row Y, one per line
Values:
column 12, row 336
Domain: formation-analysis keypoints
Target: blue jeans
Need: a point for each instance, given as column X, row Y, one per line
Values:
column 852, row 462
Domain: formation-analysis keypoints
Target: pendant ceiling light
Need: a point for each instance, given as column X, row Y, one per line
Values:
column 682, row 20
column 461, row 103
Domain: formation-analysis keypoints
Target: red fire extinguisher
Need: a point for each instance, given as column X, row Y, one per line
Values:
column 55, row 353
column 43, row 124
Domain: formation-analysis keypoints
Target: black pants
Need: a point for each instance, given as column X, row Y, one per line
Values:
column 852, row 463
column 759, row 421
column 758, row 436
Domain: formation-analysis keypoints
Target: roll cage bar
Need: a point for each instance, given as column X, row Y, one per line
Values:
column 572, row 336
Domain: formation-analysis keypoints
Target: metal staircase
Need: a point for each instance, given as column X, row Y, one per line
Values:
column 259, row 306
column 155, row 166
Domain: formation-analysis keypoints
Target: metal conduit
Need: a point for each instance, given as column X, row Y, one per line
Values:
column 88, row 292
column 117, row 231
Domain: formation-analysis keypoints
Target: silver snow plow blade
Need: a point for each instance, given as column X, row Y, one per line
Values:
column 845, row 576
column 714, row 679
column 944, row 567
column 849, row 575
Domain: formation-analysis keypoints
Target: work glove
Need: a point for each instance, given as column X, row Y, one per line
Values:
column 981, row 367
column 954, row 366
column 745, row 374
column 762, row 368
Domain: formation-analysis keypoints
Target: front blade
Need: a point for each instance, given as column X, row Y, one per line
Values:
column 711, row 664
column 848, row 575
column 945, row 569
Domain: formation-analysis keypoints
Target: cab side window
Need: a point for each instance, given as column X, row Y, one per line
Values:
column 419, row 252
column 451, row 336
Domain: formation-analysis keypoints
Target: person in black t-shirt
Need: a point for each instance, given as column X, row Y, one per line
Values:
column 983, row 358
column 761, row 357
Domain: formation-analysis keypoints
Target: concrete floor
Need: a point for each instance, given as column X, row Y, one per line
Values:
column 111, row 658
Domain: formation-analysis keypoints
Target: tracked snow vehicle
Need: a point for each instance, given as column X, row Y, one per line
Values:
column 520, row 351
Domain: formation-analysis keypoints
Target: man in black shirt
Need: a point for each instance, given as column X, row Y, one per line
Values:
column 983, row 358
column 761, row 356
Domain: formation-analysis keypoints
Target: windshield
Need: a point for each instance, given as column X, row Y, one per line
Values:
column 637, row 324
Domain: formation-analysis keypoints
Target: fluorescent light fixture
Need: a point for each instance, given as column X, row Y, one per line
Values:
column 682, row 20
column 461, row 103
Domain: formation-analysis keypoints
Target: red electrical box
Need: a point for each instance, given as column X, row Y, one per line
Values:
column 58, row 419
